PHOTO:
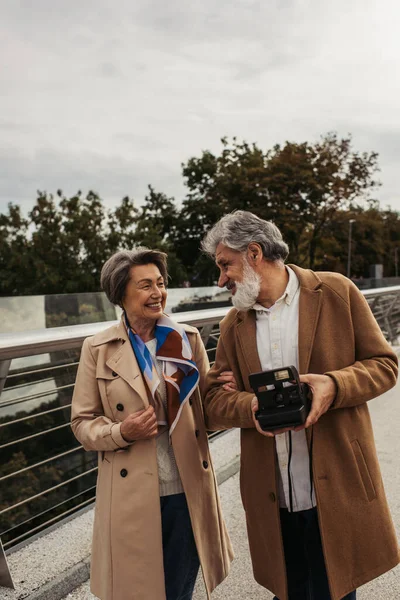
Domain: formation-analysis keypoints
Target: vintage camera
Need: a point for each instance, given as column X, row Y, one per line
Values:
column 282, row 400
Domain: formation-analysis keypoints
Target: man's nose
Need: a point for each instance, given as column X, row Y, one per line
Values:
column 223, row 280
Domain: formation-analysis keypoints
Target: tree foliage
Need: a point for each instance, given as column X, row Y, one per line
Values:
column 310, row 191
column 301, row 187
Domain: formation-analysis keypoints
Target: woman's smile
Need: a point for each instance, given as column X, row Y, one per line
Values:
column 154, row 305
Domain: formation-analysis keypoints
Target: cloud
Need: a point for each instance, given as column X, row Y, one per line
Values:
column 109, row 70
column 117, row 95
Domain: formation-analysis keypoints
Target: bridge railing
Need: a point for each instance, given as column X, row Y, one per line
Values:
column 45, row 475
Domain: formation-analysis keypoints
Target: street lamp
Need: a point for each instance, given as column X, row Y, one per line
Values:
column 351, row 221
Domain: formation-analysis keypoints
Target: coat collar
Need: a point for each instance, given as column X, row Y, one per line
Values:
column 111, row 334
column 118, row 332
column 288, row 294
column 123, row 360
column 309, row 309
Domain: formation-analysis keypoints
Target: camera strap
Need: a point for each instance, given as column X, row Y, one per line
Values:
column 310, row 464
column 290, row 473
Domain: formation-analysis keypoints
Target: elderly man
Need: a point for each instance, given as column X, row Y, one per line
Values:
column 317, row 517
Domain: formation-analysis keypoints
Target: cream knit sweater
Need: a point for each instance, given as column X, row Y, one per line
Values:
column 168, row 474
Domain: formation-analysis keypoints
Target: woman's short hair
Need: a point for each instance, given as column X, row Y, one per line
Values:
column 239, row 229
column 115, row 273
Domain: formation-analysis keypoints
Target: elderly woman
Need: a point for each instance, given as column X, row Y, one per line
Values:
column 137, row 401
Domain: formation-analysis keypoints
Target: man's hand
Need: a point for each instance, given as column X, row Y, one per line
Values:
column 324, row 390
column 228, row 381
column 254, row 409
column 141, row 425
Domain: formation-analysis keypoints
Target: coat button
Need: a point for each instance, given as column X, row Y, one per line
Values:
column 205, row 464
column 114, row 374
column 120, row 407
column 272, row 497
column 197, row 433
column 123, row 473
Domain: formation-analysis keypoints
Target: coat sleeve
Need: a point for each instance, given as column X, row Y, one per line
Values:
column 225, row 410
column 375, row 368
column 91, row 427
column 202, row 362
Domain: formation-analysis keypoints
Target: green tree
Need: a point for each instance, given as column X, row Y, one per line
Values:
column 391, row 236
column 121, row 226
column 309, row 184
column 308, row 189
column 217, row 185
column 14, row 256
column 298, row 186
column 158, row 228
column 62, row 245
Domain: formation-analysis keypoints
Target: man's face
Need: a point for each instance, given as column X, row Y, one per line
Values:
column 230, row 264
column 237, row 275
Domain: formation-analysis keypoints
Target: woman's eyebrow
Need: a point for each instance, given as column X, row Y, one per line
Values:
column 146, row 280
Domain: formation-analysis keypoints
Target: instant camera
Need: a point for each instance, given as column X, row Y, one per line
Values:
column 282, row 400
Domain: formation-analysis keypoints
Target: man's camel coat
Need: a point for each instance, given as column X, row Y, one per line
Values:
column 127, row 559
column 339, row 336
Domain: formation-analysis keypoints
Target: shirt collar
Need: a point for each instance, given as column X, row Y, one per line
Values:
column 287, row 296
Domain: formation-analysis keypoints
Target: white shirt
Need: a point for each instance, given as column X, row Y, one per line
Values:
column 277, row 344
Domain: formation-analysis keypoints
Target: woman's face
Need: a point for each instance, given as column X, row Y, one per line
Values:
column 145, row 294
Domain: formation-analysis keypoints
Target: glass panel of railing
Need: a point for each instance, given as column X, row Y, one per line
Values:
column 44, row 472
column 25, row 313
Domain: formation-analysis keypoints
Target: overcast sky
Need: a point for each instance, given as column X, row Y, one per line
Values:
column 112, row 95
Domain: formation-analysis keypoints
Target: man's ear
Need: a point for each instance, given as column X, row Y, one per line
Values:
column 254, row 253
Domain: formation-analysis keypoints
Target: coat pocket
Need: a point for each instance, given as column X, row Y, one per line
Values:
column 363, row 470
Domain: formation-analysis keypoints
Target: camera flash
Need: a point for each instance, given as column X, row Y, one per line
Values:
column 282, row 375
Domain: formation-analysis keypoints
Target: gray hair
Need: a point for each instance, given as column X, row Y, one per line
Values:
column 115, row 273
column 239, row 229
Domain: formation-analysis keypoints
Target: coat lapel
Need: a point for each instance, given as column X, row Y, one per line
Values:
column 309, row 309
column 247, row 335
column 124, row 363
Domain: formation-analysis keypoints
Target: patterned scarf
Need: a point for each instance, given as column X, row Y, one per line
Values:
column 180, row 371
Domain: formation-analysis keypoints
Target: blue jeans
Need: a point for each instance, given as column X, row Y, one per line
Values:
column 181, row 562
column 305, row 564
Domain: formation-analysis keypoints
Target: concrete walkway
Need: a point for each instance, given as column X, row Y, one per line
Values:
column 240, row 584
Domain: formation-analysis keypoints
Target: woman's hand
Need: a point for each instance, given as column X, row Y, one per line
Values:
column 141, row 425
column 228, row 380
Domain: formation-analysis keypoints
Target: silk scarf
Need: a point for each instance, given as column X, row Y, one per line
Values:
column 180, row 372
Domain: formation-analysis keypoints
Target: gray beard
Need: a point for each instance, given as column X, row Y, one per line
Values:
column 248, row 290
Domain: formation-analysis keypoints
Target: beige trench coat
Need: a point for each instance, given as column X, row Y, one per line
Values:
column 337, row 335
column 127, row 560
